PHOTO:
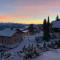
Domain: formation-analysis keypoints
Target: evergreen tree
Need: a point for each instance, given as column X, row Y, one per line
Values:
column 46, row 35
column 57, row 18
column 44, row 30
column 48, row 28
column 31, row 28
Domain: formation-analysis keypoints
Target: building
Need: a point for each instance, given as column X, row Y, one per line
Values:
column 56, row 27
column 10, row 37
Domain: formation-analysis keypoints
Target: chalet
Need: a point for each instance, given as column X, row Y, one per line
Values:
column 56, row 28
column 10, row 37
column 56, row 24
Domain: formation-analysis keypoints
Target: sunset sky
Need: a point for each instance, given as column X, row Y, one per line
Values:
column 28, row 11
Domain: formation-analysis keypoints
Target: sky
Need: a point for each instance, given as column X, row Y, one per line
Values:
column 28, row 11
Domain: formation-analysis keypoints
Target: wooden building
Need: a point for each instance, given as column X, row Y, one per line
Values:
column 10, row 37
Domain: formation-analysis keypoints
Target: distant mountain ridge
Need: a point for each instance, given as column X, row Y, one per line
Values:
column 11, row 25
column 14, row 25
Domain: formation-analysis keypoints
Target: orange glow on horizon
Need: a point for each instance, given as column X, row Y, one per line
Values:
column 30, row 22
column 19, row 20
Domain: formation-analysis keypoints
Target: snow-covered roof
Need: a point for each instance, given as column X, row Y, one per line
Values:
column 56, row 24
column 7, row 32
column 25, row 31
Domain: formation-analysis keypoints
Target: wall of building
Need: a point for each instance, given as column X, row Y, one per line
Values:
column 17, row 37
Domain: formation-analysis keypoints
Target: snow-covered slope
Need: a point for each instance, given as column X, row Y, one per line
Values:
column 27, row 40
column 48, row 55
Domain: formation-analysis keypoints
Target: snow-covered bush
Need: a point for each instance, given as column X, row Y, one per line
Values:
column 38, row 39
column 29, row 52
column 5, row 55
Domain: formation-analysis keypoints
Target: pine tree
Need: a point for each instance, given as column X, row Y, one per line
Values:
column 57, row 18
column 31, row 28
column 48, row 28
column 46, row 35
column 44, row 29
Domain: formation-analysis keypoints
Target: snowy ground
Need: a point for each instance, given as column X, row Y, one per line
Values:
column 48, row 55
